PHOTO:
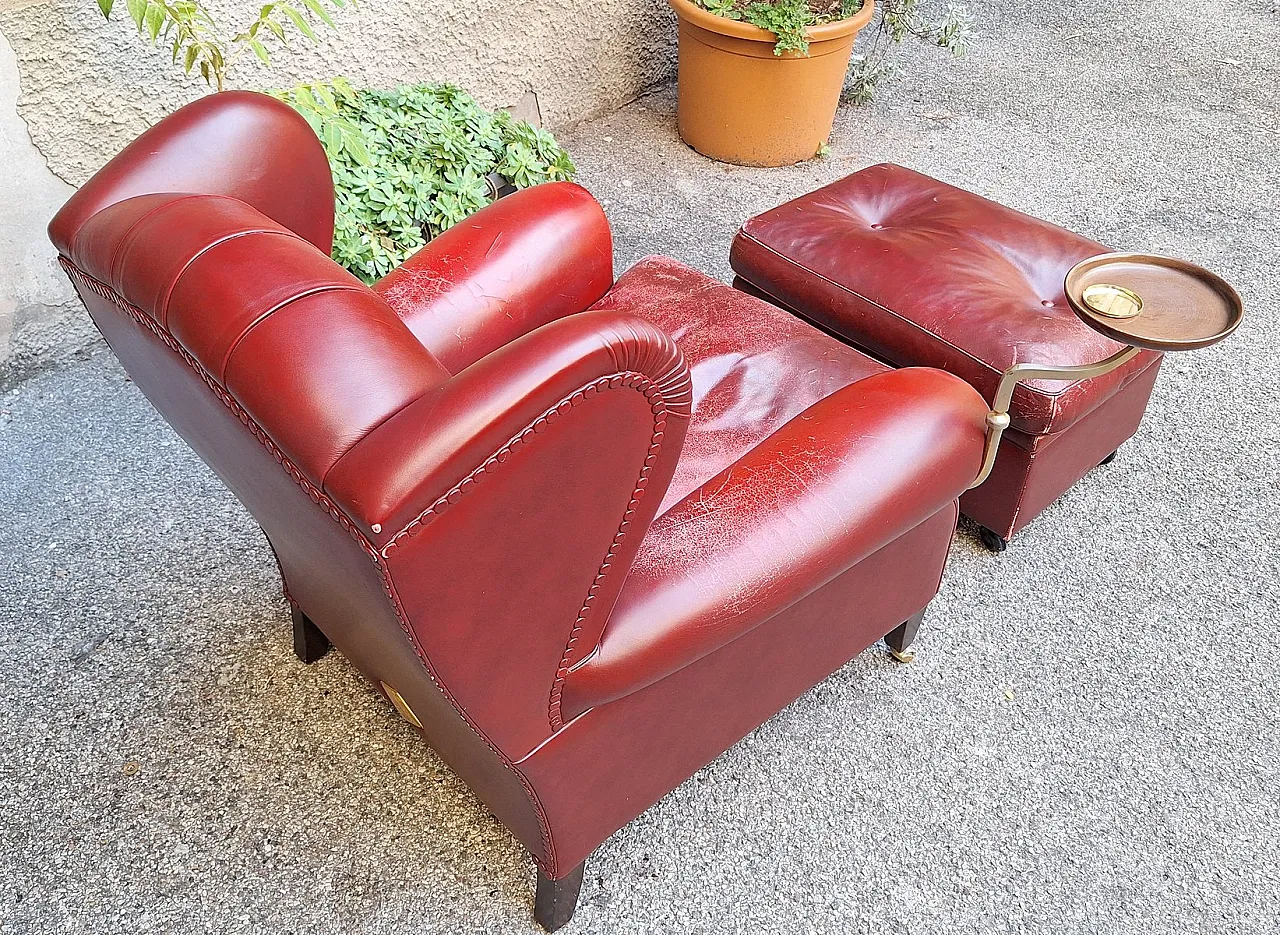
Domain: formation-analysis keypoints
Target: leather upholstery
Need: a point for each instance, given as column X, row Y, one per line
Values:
column 1030, row 473
column 234, row 143
column 315, row 357
column 817, row 496
column 478, row 508
column 921, row 273
column 754, row 368
column 533, row 257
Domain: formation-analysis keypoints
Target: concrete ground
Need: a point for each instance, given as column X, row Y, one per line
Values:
column 1085, row 744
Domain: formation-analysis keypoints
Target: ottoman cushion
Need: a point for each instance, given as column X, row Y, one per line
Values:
column 919, row 272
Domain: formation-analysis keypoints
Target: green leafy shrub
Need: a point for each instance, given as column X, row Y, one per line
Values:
column 949, row 26
column 413, row 161
column 195, row 39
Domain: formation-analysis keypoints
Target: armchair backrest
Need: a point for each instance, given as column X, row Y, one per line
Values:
column 250, row 146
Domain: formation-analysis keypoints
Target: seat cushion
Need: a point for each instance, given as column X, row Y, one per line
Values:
column 754, row 367
column 921, row 273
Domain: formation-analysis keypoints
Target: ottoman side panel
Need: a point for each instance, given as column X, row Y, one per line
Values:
column 1024, row 482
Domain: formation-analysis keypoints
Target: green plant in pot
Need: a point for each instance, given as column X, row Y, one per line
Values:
column 413, row 161
column 760, row 79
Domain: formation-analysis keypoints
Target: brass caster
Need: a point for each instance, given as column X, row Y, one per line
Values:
column 904, row 656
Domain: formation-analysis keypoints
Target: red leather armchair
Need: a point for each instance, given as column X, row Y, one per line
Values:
column 584, row 535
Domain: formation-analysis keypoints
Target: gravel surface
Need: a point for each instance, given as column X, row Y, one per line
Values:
column 1085, row 744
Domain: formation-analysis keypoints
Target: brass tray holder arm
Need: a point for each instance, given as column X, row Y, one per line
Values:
column 998, row 417
column 1142, row 300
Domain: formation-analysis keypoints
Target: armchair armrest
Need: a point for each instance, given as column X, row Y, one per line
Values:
column 508, row 504
column 525, row 260
column 846, row 477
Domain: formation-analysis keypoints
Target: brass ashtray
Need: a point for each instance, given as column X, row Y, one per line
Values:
column 1106, row 298
column 1153, row 302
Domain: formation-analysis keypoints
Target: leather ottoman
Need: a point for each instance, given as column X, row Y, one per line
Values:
column 920, row 273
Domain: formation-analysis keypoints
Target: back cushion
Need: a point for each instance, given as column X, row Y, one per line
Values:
column 315, row 357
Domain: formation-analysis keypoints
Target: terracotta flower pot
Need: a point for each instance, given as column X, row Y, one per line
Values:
column 741, row 103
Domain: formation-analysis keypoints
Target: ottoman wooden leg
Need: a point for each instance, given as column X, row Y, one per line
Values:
column 900, row 638
column 1109, row 458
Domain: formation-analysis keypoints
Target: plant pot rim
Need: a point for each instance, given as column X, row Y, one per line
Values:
column 695, row 14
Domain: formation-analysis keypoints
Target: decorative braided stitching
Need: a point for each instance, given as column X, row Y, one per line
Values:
column 659, row 407
column 656, row 393
column 80, row 278
column 630, row 378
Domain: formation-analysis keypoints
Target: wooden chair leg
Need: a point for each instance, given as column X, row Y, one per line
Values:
column 309, row 643
column 556, row 900
column 900, row 638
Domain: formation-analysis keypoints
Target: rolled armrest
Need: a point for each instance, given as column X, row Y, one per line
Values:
column 508, row 505
column 423, row 451
column 843, row 479
column 523, row 261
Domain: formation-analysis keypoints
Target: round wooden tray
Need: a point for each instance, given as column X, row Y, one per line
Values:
column 1154, row 301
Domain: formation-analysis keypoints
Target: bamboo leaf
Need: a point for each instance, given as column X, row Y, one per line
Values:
column 332, row 138
column 299, row 21
column 259, row 50
column 315, row 7
column 137, row 11
column 154, row 20
column 190, row 58
column 326, row 95
column 105, row 6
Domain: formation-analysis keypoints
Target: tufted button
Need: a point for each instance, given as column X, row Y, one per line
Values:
column 1047, row 303
column 877, row 227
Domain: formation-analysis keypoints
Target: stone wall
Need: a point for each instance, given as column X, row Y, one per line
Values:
column 88, row 86
column 40, row 317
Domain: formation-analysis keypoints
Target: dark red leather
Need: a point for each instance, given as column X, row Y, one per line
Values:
column 315, row 357
column 921, row 273
column 525, row 260
column 513, row 500
column 633, row 751
column 843, row 479
column 754, row 367
column 470, row 538
column 1032, row 472
column 236, row 143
